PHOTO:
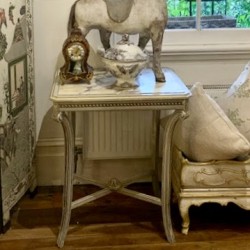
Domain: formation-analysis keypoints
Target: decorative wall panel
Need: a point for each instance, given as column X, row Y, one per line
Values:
column 17, row 126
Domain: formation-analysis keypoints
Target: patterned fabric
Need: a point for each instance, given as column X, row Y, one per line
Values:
column 207, row 133
column 236, row 102
column 17, row 111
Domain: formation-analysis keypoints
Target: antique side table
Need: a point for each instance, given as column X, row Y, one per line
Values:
column 103, row 95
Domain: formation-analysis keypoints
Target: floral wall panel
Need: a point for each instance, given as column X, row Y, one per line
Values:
column 17, row 126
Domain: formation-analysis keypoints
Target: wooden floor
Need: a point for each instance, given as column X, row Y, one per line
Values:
column 119, row 222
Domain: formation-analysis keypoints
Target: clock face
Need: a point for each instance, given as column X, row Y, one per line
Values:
column 76, row 52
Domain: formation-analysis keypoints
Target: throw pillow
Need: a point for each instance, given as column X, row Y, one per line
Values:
column 207, row 133
column 236, row 102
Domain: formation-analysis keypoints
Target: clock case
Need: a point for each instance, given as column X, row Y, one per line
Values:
column 66, row 73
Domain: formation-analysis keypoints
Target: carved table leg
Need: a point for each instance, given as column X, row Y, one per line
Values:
column 68, row 178
column 166, row 176
column 184, row 211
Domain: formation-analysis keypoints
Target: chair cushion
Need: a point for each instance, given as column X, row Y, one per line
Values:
column 207, row 133
column 236, row 102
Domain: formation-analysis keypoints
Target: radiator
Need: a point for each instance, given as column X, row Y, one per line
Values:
column 117, row 134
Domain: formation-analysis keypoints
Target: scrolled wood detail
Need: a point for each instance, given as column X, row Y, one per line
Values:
column 221, row 176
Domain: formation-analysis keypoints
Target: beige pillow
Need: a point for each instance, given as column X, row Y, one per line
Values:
column 207, row 133
column 236, row 102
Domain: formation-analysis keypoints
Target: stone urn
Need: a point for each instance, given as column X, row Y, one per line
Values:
column 124, row 61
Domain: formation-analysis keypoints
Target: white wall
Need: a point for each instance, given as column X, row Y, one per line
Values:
column 50, row 31
column 50, row 26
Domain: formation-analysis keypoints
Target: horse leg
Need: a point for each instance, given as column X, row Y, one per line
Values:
column 105, row 38
column 156, row 34
column 143, row 40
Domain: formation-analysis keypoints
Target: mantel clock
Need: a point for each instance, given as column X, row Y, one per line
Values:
column 76, row 52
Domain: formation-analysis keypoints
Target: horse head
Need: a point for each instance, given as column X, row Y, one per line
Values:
column 119, row 10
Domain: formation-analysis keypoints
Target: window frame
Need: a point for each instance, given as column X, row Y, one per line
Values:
column 206, row 41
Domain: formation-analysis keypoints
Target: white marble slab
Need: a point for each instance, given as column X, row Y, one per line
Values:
column 102, row 86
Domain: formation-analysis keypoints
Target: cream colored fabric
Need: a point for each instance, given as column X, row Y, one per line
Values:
column 208, row 134
column 236, row 102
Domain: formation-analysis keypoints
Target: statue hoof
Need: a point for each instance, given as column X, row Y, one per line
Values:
column 160, row 79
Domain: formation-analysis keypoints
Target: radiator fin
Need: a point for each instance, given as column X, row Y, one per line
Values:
column 117, row 134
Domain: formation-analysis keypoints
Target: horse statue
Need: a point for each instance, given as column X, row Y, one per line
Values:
column 147, row 18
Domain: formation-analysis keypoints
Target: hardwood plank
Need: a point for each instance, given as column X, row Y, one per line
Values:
column 120, row 222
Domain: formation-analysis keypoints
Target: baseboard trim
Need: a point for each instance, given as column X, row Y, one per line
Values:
column 56, row 142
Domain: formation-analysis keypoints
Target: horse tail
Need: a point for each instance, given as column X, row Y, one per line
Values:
column 72, row 20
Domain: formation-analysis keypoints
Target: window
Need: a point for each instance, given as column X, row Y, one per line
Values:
column 214, row 14
column 197, row 31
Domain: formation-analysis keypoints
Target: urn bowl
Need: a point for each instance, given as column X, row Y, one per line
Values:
column 124, row 61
